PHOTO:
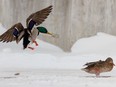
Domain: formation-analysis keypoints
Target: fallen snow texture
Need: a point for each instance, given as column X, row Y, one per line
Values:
column 47, row 56
column 49, row 66
column 99, row 44
column 54, row 78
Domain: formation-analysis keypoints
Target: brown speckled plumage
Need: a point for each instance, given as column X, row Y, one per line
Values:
column 99, row 66
column 8, row 35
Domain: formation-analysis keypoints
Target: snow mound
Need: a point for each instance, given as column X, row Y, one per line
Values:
column 98, row 44
column 48, row 56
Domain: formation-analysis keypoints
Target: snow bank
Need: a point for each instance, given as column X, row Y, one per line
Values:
column 47, row 56
column 99, row 44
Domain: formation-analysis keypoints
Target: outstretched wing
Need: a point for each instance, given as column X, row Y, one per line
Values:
column 39, row 16
column 8, row 36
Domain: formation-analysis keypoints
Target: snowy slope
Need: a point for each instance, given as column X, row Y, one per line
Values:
column 47, row 56
column 49, row 66
column 99, row 44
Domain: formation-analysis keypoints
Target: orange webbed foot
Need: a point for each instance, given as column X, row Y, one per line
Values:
column 35, row 43
column 31, row 48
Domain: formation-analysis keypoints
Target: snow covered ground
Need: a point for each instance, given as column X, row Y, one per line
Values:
column 54, row 78
column 49, row 66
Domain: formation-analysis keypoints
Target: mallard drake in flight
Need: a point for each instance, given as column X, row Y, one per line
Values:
column 28, row 34
column 99, row 66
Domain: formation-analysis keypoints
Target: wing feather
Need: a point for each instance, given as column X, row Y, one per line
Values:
column 39, row 16
column 94, row 63
column 8, row 35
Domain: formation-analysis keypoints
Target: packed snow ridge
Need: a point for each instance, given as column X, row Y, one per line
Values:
column 48, row 56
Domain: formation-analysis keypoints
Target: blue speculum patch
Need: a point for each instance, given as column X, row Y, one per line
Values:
column 31, row 24
column 15, row 32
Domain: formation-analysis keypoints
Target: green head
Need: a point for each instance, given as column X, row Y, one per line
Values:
column 42, row 30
